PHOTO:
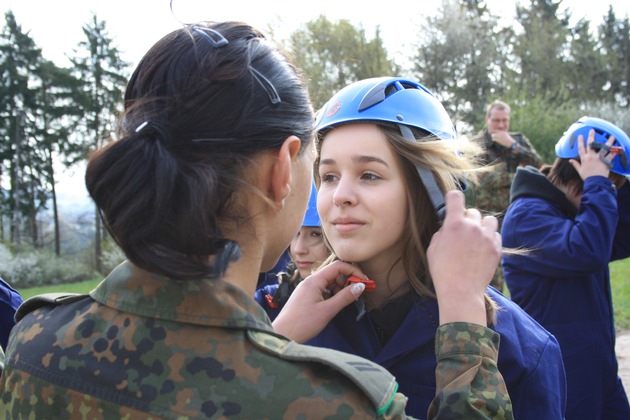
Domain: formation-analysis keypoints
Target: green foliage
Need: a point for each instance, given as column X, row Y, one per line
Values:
column 31, row 268
column 542, row 123
column 459, row 56
column 540, row 48
column 619, row 275
column 334, row 54
column 81, row 287
column 614, row 39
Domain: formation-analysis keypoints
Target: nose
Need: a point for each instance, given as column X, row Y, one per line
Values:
column 344, row 193
column 298, row 245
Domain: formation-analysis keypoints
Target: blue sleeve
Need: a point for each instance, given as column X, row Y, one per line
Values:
column 547, row 385
column 621, row 246
column 10, row 299
column 561, row 246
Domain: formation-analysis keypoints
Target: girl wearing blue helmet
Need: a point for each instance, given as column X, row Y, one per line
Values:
column 387, row 155
column 575, row 218
column 307, row 252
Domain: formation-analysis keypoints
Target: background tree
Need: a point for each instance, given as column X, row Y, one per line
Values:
column 460, row 55
column 540, row 51
column 615, row 42
column 333, row 55
column 20, row 155
column 586, row 75
column 58, row 116
column 99, row 66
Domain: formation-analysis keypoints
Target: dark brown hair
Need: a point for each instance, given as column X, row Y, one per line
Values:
column 201, row 105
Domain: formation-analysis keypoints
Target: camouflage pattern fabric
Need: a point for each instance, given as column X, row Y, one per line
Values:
column 492, row 195
column 143, row 346
column 479, row 393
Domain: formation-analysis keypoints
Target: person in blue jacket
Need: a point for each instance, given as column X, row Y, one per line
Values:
column 307, row 252
column 574, row 220
column 10, row 300
column 385, row 159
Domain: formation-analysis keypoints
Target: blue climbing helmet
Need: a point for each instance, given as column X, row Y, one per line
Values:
column 567, row 146
column 392, row 100
column 387, row 99
column 311, row 217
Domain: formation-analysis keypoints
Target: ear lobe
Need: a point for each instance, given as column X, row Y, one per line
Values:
column 282, row 169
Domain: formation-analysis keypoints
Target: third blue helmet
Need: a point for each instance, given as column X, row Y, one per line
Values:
column 387, row 99
column 567, row 146
column 311, row 217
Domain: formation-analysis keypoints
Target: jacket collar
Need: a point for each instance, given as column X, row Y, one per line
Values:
column 203, row 302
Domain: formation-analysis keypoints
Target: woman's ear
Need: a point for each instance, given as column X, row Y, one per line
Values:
column 282, row 168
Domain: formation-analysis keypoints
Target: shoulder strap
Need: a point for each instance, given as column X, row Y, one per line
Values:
column 46, row 299
column 377, row 383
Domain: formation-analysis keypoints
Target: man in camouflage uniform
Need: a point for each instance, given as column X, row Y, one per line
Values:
column 145, row 346
column 507, row 151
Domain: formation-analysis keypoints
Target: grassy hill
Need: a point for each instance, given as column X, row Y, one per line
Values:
column 619, row 272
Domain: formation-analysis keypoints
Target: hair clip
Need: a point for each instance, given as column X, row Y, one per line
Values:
column 268, row 87
column 216, row 39
column 157, row 128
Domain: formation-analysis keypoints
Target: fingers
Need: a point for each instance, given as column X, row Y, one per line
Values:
column 333, row 276
column 490, row 223
column 473, row 214
column 455, row 205
column 343, row 298
column 594, row 161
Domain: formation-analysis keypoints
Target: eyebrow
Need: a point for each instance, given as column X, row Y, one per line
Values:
column 358, row 159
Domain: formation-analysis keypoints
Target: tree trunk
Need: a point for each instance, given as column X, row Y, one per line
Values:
column 98, row 251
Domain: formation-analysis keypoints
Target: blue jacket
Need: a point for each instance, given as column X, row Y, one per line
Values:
column 564, row 282
column 10, row 299
column 529, row 357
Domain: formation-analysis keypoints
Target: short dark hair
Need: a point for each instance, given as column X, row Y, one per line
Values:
column 202, row 103
column 562, row 172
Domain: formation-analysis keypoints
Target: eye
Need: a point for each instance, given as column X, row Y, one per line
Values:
column 317, row 234
column 370, row 176
column 328, row 178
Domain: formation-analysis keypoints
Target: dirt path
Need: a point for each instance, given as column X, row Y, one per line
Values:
column 623, row 356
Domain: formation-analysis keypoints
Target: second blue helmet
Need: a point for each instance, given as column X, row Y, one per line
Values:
column 567, row 146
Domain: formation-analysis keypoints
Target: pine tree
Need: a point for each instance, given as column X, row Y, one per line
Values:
column 99, row 66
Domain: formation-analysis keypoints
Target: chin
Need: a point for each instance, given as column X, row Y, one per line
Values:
column 350, row 256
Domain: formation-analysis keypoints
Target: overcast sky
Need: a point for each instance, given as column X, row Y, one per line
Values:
column 135, row 25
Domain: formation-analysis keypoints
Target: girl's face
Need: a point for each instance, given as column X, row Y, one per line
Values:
column 308, row 250
column 362, row 200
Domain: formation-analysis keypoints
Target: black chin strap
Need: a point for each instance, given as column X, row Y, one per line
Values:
column 428, row 180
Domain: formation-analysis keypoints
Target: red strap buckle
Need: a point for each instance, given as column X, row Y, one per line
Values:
column 370, row 285
column 271, row 303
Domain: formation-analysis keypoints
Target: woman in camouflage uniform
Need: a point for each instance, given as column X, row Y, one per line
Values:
column 204, row 188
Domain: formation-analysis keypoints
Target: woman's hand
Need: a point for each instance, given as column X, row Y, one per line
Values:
column 591, row 161
column 316, row 301
column 463, row 256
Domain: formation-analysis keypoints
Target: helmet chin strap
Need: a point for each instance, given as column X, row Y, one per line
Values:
column 428, row 180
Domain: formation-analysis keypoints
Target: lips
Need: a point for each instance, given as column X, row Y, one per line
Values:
column 303, row 264
column 347, row 224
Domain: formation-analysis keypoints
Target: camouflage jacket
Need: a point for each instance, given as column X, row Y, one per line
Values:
column 492, row 195
column 145, row 346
